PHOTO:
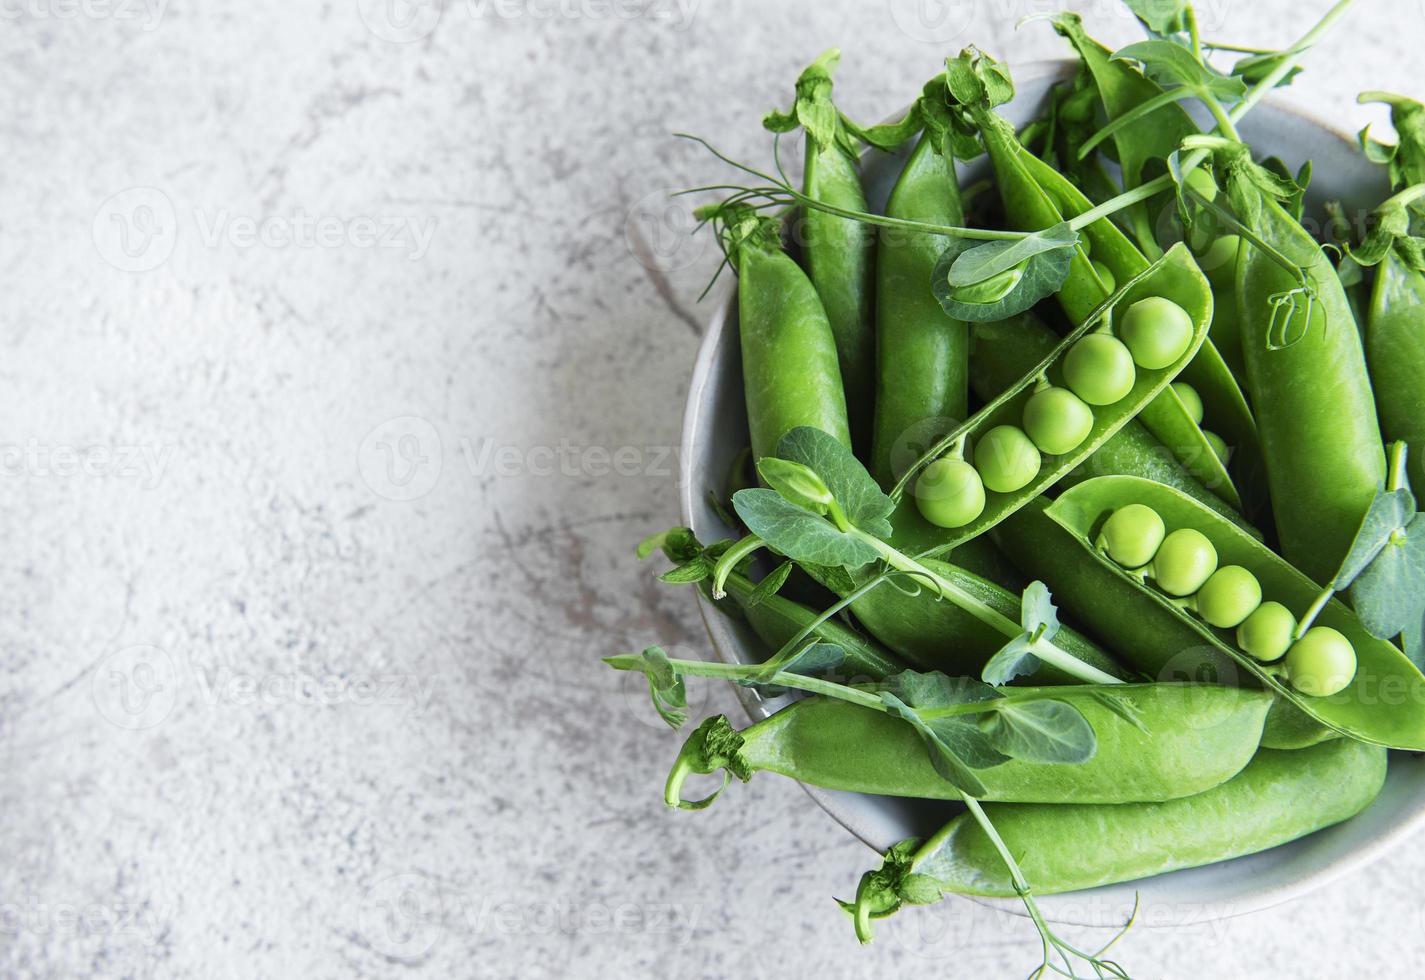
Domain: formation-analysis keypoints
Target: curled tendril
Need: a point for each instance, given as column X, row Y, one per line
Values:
column 1289, row 301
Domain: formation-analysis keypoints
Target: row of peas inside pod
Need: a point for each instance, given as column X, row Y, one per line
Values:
column 1099, row 370
column 1183, row 564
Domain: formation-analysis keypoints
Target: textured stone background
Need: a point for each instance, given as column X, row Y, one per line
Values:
column 342, row 357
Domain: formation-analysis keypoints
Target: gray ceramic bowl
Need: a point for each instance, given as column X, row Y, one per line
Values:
column 715, row 429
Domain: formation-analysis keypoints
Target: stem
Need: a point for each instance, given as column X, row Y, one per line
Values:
column 1043, row 649
column 825, row 615
column 1309, row 617
column 730, row 560
column 737, row 672
column 1397, row 465
column 1224, row 122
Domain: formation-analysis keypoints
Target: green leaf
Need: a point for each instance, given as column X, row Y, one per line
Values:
column 1041, row 731
column 1171, row 65
column 1161, row 17
column 813, row 109
column 932, row 689
column 1406, row 157
column 769, row 586
column 1389, row 596
column 1253, row 68
column 1043, row 274
column 796, row 482
column 797, row 533
column 665, row 686
column 693, row 571
column 1012, row 660
column 992, row 258
column 976, row 78
column 1037, row 612
column 942, row 756
column 1388, row 514
column 970, row 743
column 860, row 496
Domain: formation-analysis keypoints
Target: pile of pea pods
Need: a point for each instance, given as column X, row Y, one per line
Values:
column 1083, row 498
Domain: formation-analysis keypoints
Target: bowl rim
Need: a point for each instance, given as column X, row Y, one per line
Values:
column 756, row 708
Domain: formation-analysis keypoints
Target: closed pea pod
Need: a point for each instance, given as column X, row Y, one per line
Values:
column 921, row 351
column 839, row 253
column 1186, row 739
column 1307, row 375
column 790, row 373
column 1384, row 702
column 1278, row 797
column 1395, row 348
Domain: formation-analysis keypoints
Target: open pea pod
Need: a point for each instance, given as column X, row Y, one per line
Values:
column 1384, row 704
column 1036, row 196
column 1174, row 276
column 1225, row 408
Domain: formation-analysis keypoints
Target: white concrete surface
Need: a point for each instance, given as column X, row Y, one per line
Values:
column 333, row 398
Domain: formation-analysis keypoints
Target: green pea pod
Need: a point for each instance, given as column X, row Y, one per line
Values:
column 840, row 258
column 1036, row 196
column 1182, row 739
column 790, row 374
column 921, row 352
column 1002, row 352
column 776, row 620
column 1174, row 276
column 1385, row 702
column 1226, row 331
column 1278, row 797
column 1395, row 348
column 1288, row 727
column 936, row 634
column 1143, row 144
column 1306, row 372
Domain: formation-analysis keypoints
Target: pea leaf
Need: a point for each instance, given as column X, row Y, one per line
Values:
column 796, row 482
column 859, row 495
column 1389, row 595
column 992, row 258
column 799, row 534
column 1041, row 731
column 1405, row 157
column 665, row 686
column 932, row 689
column 1172, row 65
column 1037, row 612
column 1041, row 275
column 1012, row 660
column 970, row 743
column 770, row 585
column 1253, row 68
column 1390, row 512
column 689, row 572
column 1160, row 17
column 813, row 109
column 942, row 756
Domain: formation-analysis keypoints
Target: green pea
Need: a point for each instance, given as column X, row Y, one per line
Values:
column 1219, row 445
column 1157, row 332
column 1006, row 459
column 1099, row 369
column 1191, row 400
column 1229, row 596
column 1184, row 562
column 1132, row 535
column 950, row 493
column 1105, row 275
column 1057, row 420
column 1266, row 634
column 1321, row 663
